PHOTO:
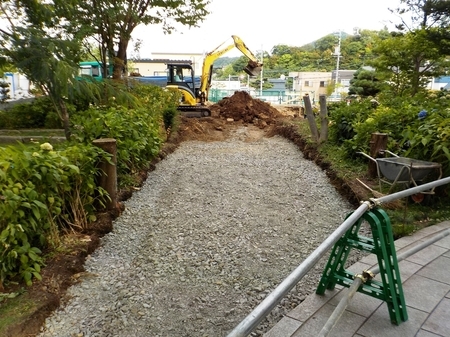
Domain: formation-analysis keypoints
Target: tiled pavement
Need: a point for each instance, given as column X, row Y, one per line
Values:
column 426, row 286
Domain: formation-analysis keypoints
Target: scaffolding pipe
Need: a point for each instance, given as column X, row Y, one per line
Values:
column 357, row 282
column 266, row 306
column 410, row 191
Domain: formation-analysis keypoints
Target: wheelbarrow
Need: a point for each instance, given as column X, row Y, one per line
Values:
column 405, row 171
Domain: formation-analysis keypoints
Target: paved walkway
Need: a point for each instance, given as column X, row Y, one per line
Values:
column 426, row 286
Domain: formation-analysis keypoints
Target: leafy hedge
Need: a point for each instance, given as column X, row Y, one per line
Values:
column 138, row 131
column 41, row 190
column 40, row 113
column 44, row 190
column 426, row 138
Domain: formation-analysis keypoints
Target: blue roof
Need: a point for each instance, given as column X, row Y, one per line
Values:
column 443, row 79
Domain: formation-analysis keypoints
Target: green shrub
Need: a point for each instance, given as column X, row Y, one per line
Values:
column 40, row 191
column 138, row 131
column 4, row 120
column 353, row 125
column 382, row 120
column 429, row 139
column 30, row 115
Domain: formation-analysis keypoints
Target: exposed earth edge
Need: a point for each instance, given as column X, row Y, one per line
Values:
column 66, row 267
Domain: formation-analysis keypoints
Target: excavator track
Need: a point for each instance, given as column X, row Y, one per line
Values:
column 194, row 111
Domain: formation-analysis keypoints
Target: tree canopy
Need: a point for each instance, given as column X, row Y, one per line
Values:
column 111, row 22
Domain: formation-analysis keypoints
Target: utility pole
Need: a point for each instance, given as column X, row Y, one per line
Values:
column 261, row 82
column 337, row 53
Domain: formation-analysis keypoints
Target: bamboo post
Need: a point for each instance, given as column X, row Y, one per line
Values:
column 378, row 143
column 108, row 177
column 311, row 119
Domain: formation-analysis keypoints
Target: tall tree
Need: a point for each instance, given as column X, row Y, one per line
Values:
column 422, row 14
column 111, row 22
column 431, row 16
column 35, row 43
column 408, row 62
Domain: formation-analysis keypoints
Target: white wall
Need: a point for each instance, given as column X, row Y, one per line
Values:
column 19, row 85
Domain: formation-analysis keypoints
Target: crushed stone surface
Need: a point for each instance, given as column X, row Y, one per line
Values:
column 214, row 229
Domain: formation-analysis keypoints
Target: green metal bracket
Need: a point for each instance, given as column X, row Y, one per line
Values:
column 382, row 245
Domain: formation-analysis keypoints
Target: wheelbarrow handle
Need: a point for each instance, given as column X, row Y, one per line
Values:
column 391, row 153
column 366, row 155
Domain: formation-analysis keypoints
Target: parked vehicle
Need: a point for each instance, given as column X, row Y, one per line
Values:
column 180, row 76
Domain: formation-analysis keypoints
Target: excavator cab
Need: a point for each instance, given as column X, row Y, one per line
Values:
column 195, row 90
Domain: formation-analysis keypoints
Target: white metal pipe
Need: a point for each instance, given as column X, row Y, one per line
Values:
column 343, row 303
column 266, row 306
column 411, row 191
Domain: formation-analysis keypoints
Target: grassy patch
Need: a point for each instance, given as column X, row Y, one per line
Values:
column 14, row 310
column 346, row 169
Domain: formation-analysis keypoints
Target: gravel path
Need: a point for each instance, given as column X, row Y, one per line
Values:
column 214, row 229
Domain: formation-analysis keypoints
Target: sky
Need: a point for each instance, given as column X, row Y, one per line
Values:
column 265, row 24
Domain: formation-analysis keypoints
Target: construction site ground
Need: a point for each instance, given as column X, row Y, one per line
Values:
column 25, row 314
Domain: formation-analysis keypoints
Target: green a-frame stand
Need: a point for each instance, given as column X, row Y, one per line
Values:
column 381, row 244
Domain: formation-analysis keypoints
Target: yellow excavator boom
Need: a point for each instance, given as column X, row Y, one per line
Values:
column 253, row 67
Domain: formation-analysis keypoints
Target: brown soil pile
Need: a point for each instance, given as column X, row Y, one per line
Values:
column 242, row 107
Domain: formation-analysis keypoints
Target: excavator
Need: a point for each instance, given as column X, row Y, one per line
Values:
column 195, row 90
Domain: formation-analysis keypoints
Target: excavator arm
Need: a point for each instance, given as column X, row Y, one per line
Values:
column 253, row 67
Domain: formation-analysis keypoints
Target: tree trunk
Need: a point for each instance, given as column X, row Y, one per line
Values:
column 323, row 119
column 378, row 143
column 311, row 119
column 120, row 59
column 65, row 119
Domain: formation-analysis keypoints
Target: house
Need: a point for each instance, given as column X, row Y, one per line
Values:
column 343, row 80
column 311, row 83
column 440, row 83
column 156, row 66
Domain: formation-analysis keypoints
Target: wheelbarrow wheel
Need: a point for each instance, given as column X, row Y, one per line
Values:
column 418, row 198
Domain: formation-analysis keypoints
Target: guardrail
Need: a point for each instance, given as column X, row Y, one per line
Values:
column 265, row 307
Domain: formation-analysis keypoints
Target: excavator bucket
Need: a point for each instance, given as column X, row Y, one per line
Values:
column 253, row 68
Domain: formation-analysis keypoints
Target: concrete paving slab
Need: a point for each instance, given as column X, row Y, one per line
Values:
column 427, row 255
column 425, row 277
column 379, row 325
column 444, row 243
column 312, row 304
column 418, row 288
column 438, row 322
column 358, row 267
column 437, row 270
column 370, row 260
column 285, row 327
column 407, row 269
column 424, row 333
column 360, row 304
column 348, row 324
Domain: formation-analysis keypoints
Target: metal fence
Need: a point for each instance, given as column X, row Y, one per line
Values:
column 265, row 307
column 269, row 96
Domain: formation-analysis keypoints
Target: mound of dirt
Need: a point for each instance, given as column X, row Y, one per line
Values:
column 242, row 107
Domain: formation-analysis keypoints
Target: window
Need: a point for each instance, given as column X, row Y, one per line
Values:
column 308, row 84
column 322, row 84
column 95, row 71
